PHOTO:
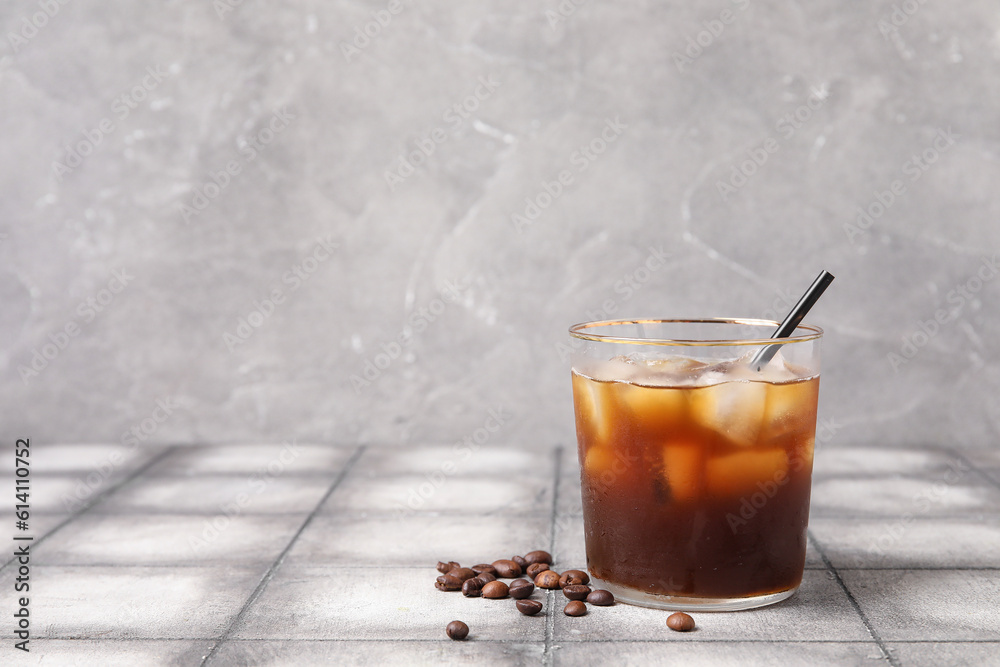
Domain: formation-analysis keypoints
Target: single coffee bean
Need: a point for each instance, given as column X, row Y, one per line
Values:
column 462, row 573
column 538, row 557
column 570, row 577
column 486, row 578
column 457, row 630
column 536, row 569
column 601, row 598
column 521, row 563
column 472, row 588
column 444, row 568
column 575, row 608
column 446, row 582
column 521, row 588
column 680, row 622
column 495, row 590
column 507, row 569
column 547, row 579
column 528, row 607
column 483, row 567
column 576, row 591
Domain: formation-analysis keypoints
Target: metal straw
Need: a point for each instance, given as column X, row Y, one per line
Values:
column 793, row 318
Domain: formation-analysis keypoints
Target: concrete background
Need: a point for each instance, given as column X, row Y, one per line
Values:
column 713, row 157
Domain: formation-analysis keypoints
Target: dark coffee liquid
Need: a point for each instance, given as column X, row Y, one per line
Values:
column 696, row 491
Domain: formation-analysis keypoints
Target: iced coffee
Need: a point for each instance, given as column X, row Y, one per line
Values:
column 695, row 464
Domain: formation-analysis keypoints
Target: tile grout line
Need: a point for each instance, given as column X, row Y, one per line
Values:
column 890, row 658
column 272, row 570
column 550, row 619
column 507, row 642
column 97, row 500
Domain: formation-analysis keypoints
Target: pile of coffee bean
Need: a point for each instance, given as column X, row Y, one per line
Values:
column 483, row 580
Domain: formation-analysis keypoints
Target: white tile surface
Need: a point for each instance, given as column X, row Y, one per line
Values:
column 377, row 603
column 418, row 540
column 247, row 459
column 929, row 605
column 132, row 602
column 498, row 494
column 819, row 611
column 169, row 539
column 213, row 494
column 473, row 652
column 910, row 542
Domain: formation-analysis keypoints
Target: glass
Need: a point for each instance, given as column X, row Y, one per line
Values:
column 695, row 467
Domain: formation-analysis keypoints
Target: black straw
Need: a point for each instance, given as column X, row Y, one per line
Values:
column 793, row 318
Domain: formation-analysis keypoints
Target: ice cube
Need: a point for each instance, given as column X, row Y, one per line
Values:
column 616, row 369
column 734, row 410
column 746, row 472
column 657, row 410
column 598, row 461
column 668, row 372
column 594, row 403
column 789, row 414
column 779, row 370
column 683, row 470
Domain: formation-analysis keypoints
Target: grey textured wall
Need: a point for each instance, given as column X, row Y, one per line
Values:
column 210, row 207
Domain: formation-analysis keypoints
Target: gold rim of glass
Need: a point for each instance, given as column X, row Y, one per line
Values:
column 580, row 331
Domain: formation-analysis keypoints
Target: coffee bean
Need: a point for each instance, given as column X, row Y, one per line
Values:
column 570, row 577
column 536, row 569
column 471, row 588
column 462, row 573
column 547, row 579
column 486, row 578
column 446, row 582
column 495, row 590
column 521, row 563
column 483, row 567
column 507, row 569
column 680, row 622
column 601, row 598
column 521, row 588
column 457, row 630
column 575, row 608
column 576, row 591
column 444, row 568
column 528, row 607
column 538, row 557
